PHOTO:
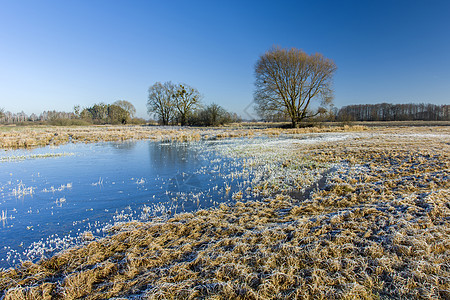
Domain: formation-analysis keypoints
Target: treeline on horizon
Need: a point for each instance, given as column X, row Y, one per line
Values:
column 374, row 112
column 102, row 114
column 394, row 112
column 119, row 112
column 112, row 114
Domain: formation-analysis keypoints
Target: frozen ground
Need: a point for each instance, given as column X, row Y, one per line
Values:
column 376, row 227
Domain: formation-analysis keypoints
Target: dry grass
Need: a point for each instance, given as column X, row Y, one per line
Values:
column 38, row 136
column 378, row 229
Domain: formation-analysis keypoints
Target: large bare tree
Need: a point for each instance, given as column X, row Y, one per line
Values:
column 161, row 101
column 186, row 99
column 288, row 80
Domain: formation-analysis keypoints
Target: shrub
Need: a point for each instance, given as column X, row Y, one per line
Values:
column 212, row 115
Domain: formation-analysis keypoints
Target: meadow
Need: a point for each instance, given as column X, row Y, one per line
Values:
column 12, row 137
column 336, row 213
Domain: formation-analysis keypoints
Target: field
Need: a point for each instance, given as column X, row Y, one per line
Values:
column 12, row 137
column 362, row 215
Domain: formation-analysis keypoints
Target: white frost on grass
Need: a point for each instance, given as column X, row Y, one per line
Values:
column 61, row 188
column 21, row 190
column 313, row 138
column 140, row 181
column 436, row 136
column 33, row 156
column 4, row 216
column 98, row 183
column 248, row 168
column 271, row 165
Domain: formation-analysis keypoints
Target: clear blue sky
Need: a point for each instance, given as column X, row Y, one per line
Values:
column 56, row 54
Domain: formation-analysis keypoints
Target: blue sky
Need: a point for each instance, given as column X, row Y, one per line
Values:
column 56, row 54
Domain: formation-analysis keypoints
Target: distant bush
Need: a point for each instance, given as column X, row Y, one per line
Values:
column 212, row 115
column 102, row 113
column 117, row 115
column 69, row 122
column 28, row 123
column 137, row 121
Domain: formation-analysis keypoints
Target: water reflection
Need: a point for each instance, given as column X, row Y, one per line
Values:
column 98, row 185
column 126, row 145
column 172, row 156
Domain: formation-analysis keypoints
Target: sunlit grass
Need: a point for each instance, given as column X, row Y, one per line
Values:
column 375, row 227
column 32, row 137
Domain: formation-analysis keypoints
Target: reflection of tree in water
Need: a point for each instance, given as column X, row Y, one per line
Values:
column 127, row 145
column 172, row 156
column 180, row 162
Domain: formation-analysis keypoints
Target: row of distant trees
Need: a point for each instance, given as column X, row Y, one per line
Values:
column 214, row 115
column 371, row 112
column 394, row 112
column 181, row 104
column 119, row 112
column 21, row 117
column 169, row 103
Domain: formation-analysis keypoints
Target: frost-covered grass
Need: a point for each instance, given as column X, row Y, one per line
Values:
column 21, row 190
column 32, row 156
column 372, row 223
column 39, row 136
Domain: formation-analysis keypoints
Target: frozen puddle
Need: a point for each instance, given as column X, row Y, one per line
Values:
column 54, row 201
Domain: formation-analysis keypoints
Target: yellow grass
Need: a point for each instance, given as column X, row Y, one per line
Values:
column 38, row 136
column 379, row 229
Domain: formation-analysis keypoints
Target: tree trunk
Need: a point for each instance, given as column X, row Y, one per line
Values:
column 296, row 121
column 183, row 119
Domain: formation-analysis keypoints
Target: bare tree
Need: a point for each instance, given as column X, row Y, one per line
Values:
column 161, row 101
column 186, row 99
column 288, row 80
column 126, row 105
